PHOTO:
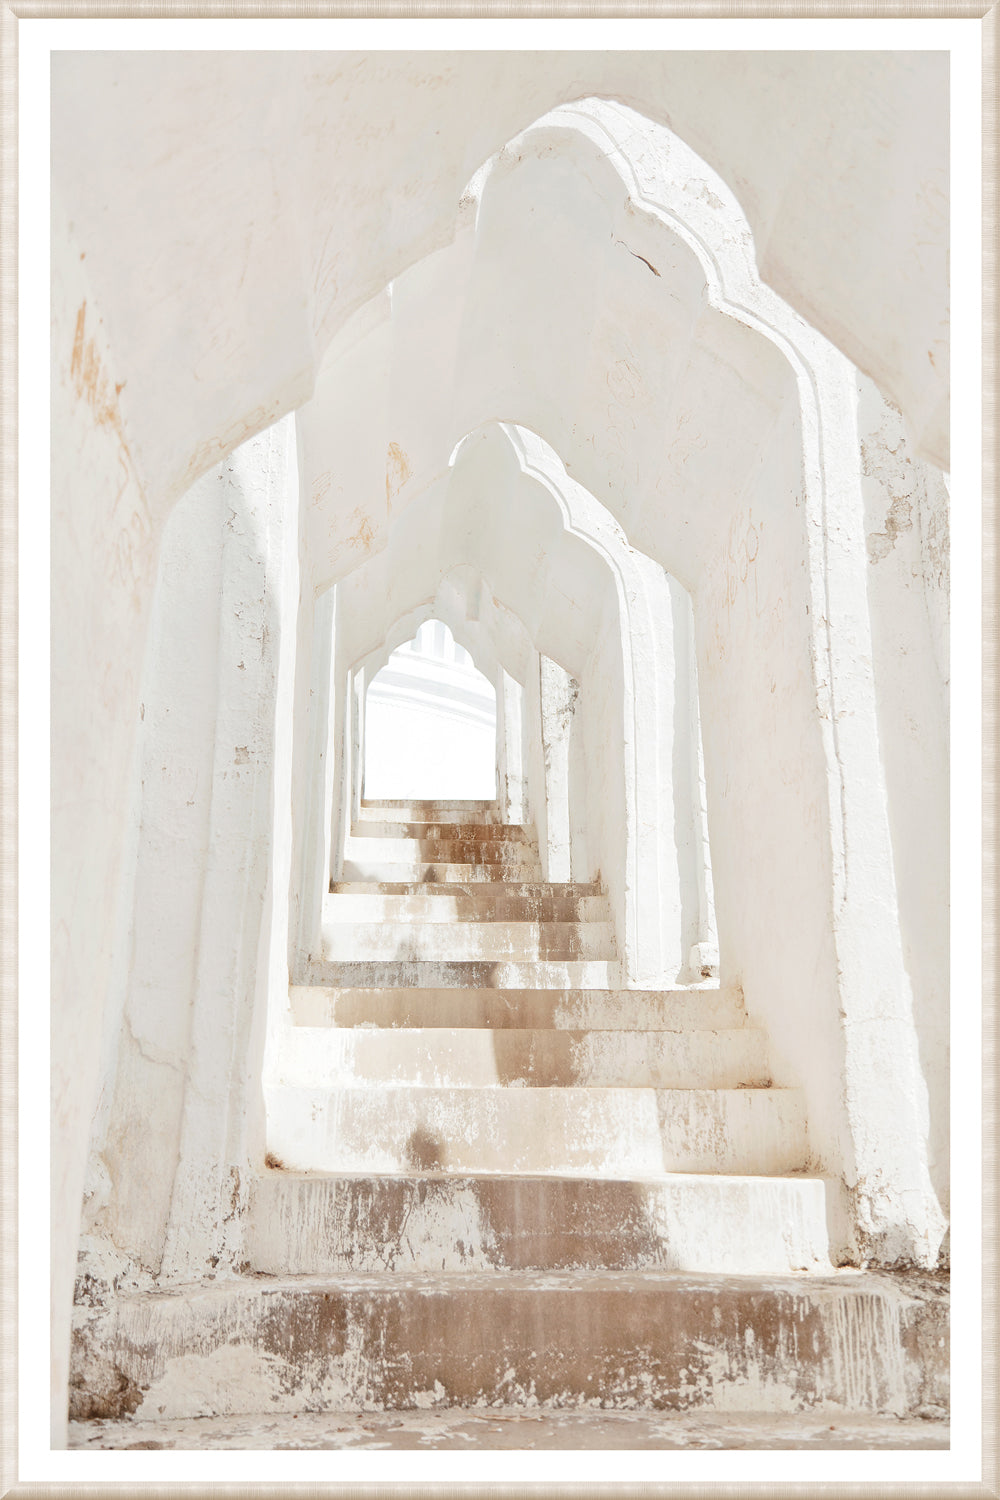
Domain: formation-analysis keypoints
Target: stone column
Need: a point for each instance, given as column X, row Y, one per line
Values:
column 315, row 765
column 558, row 693
column 212, row 865
column 510, row 769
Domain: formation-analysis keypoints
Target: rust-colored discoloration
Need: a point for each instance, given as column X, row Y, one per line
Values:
column 91, row 381
column 522, row 1224
column 213, row 450
column 363, row 537
column 397, row 471
column 129, row 536
column 300, row 1330
column 322, row 486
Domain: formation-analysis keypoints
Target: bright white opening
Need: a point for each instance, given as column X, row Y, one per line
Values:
column 430, row 723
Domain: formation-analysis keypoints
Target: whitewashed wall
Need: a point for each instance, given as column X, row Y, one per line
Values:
column 210, row 830
column 907, row 540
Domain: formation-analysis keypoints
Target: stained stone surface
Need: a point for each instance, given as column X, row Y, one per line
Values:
column 598, row 1341
column 515, row 1430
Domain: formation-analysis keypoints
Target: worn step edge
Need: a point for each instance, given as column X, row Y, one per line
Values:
column 440, row 873
column 570, row 1009
column 856, row 1342
column 607, row 1132
column 481, row 891
column 532, row 1429
column 500, row 852
column 463, row 1057
column 306, row 1224
column 444, row 829
column 507, row 942
column 459, row 804
column 441, row 973
column 450, row 905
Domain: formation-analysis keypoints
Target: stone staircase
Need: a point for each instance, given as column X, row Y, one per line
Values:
column 499, row 1179
column 465, row 1018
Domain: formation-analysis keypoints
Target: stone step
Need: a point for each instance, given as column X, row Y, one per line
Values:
column 445, row 904
column 445, row 832
column 851, row 1342
column 599, row 1132
column 499, row 974
column 501, row 853
column 311, row 1057
column 496, row 942
column 489, row 1429
column 482, row 891
column 380, row 871
column 461, row 811
column 520, row 1009
column 310, row 1225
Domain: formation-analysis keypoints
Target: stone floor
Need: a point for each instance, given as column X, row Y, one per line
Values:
column 508, row 1429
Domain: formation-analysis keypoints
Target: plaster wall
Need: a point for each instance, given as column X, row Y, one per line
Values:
column 103, row 565
column 533, row 751
column 851, row 1040
column 341, row 750
column 313, row 791
column 510, row 773
column 765, row 780
column 609, row 409
column 601, row 705
column 213, row 840
column 171, row 805
column 343, row 433
column 359, row 685
column 249, row 865
column 906, row 533
column 655, row 399
column 580, row 841
column 558, row 694
column 845, row 187
column 687, row 769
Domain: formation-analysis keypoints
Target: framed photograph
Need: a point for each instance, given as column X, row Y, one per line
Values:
column 496, row 577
